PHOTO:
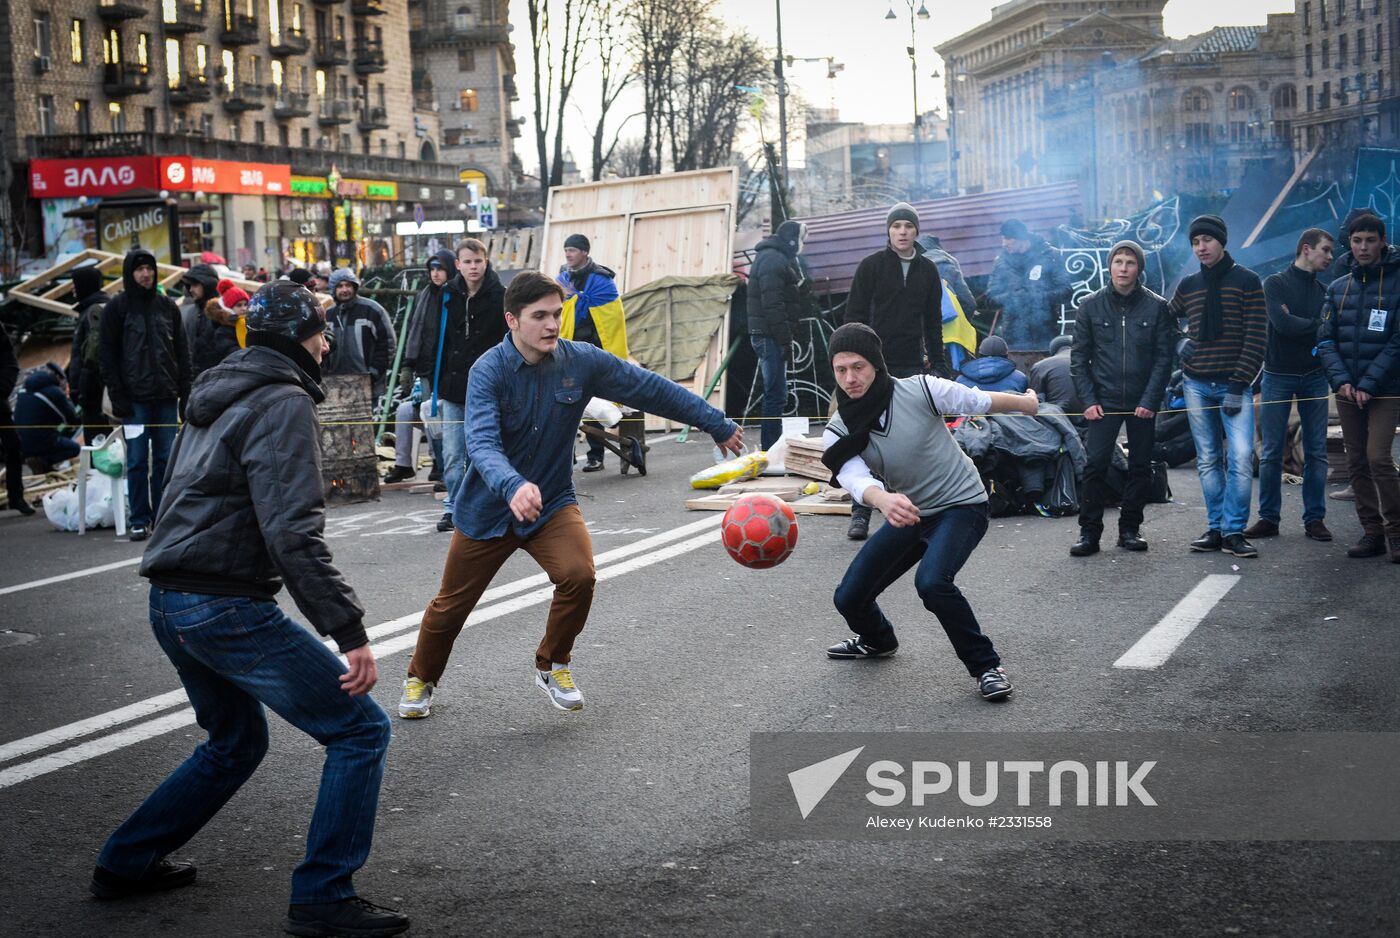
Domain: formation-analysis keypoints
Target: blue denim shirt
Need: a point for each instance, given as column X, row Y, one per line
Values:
column 522, row 419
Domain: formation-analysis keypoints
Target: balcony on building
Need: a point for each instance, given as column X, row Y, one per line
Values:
column 508, row 83
column 367, row 7
column 334, row 111
column 239, row 29
column 183, row 16
column 291, row 104
column 290, row 41
column 243, row 97
column 331, row 52
column 115, row 11
column 374, row 118
column 369, row 57
column 120, row 79
column 191, row 88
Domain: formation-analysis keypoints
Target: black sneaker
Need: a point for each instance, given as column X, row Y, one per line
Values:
column 857, row 647
column 399, row 474
column 21, row 506
column 1369, row 546
column 353, row 916
column 994, row 685
column 445, row 523
column 1237, row 545
column 165, row 875
column 1086, row 546
column 1131, row 540
column 439, row 486
column 1207, row 542
column 435, row 475
column 859, row 529
column 594, row 464
column 138, row 532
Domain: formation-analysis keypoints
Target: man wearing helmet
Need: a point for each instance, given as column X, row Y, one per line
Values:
column 243, row 512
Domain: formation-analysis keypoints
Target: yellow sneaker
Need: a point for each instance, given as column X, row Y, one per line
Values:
column 417, row 699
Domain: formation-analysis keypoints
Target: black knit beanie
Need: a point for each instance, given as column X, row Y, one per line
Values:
column 859, row 338
column 578, row 241
column 1212, row 225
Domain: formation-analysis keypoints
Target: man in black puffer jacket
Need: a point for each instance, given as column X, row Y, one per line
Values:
column 244, row 513
column 145, row 360
column 1359, row 343
column 774, row 312
column 1120, row 362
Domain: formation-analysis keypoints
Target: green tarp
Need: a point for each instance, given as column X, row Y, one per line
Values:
column 683, row 313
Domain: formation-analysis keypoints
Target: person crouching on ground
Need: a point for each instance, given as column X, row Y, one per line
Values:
column 932, row 497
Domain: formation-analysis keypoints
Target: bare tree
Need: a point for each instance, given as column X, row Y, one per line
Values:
column 705, row 103
column 656, row 29
column 626, row 159
column 616, row 74
column 557, row 48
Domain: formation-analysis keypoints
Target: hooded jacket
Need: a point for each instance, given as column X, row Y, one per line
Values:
column 191, row 310
column 474, row 325
column 992, row 373
column 951, row 272
column 243, row 509
column 84, row 370
column 1358, row 340
column 40, row 407
column 143, row 349
column 1122, row 353
column 1029, row 287
column 428, row 299
column 772, row 303
column 362, row 340
column 906, row 312
column 215, row 336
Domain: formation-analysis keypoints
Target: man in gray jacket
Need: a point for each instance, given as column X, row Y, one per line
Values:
column 362, row 337
column 243, row 512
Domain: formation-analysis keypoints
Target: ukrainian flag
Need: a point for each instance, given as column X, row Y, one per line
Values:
column 603, row 304
column 959, row 336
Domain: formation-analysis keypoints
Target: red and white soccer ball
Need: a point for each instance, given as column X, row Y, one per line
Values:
column 759, row 531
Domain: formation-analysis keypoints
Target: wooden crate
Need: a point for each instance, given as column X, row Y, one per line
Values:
column 804, row 458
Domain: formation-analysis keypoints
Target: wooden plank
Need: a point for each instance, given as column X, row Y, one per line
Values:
column 1283, row 193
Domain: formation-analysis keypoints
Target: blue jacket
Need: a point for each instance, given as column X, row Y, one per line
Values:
column 522, row 419
column 992, row 373
column 40, row 407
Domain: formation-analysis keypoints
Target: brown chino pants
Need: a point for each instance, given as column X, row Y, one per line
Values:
column 1369, row 434
column 562, row 548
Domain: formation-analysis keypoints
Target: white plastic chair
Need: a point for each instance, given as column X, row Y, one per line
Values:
column 118, row 485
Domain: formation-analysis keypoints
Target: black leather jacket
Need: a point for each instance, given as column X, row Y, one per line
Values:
column 1122, row 352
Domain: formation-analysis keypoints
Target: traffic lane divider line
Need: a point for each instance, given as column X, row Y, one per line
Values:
column 1159, row 642
column 89, row 571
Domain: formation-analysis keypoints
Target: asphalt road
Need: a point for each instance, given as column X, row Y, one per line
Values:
column 503, row 816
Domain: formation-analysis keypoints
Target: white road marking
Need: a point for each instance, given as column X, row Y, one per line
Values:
column 647, row 547
column 35, row 584
column 1160, row 641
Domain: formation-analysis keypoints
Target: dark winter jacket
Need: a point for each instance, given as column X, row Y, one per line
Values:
column 951, row 272
column 192, row 310
column 9, row 369
column 1293, row 299
column 474, row 326
column 362, row 341
column 1030, row 288
column 428, row 299
column 773, row 306
column 243, row 509
column 215, row 337
column 992, row 373
column 1052, row 380
column 143, row 350
column 1122, row 353
column 39, row 409
column 907, row 314
column 84, row 358
column 1358, row 340
column 1238, row 354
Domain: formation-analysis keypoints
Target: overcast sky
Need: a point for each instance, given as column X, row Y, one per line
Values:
column 874, row 87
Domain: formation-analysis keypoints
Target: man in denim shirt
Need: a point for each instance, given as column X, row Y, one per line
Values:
column 524, row 403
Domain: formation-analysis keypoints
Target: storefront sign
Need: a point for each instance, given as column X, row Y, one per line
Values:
column 189, row 174
column 57, row 179
column 121, row 228
column 373, row 189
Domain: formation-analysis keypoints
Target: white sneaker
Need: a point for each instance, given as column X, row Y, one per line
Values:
column 559, row 685
column 417, row 699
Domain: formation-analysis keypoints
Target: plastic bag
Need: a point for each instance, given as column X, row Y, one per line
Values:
column 1063, row 497
column 111, row 460
column 61, row 506
column 605, row 412
column 747, row 466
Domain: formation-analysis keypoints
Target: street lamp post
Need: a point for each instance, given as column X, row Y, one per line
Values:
column 782, row 94
column 922, row 14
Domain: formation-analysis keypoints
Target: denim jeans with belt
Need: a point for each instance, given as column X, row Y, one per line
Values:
column 1278, row 393
column 1224, row 453
column 772, row 366
column 939, row 545
column 235, row 655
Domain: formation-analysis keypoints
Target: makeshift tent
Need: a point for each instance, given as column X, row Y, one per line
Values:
column 679, row 328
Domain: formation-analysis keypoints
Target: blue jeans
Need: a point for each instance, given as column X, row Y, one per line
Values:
column 235, row 655
column 452, row 430
column 1224, row 453
column 1278, row 392
column 939, row 545
column 772, row 366
column 147, row 457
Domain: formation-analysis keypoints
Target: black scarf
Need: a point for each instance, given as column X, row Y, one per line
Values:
column 860, row 415
column 1213, row 316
